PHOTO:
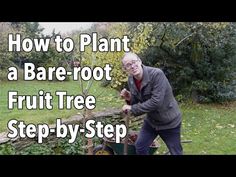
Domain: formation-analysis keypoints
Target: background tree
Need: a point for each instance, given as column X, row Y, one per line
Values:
column 137, row 32
column 198, row 58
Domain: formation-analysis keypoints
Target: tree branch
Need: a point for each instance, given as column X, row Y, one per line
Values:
column 184, row 39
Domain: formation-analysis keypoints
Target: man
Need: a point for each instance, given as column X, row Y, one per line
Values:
column 150, row 92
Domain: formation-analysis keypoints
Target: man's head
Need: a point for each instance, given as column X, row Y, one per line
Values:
column 132, row 64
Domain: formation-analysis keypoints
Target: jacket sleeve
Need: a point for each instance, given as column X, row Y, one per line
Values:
column 157, row 96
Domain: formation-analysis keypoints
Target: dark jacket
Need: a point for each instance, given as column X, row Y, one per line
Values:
column 155, row 98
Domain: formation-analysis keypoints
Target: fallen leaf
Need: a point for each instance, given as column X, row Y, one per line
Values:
column 219, row 126
column 231, row 125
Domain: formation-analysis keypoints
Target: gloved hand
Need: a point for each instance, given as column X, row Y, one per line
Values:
column 126, row 109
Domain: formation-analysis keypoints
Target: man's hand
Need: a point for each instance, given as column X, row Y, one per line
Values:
column 126, row 108
column 125, row 94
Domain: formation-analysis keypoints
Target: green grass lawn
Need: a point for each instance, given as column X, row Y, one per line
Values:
column 107, row 99
column 211, row 127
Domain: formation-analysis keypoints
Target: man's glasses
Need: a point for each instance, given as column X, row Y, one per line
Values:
column 129, row 65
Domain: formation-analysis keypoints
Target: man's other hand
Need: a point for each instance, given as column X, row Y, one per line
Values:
column 125, row 94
